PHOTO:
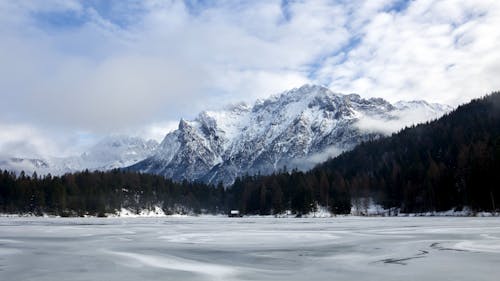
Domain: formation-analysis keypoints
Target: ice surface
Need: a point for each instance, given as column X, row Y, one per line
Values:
column 220, row 248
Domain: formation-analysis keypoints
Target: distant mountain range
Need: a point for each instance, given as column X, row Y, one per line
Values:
column 296, row 129
column 109, row 153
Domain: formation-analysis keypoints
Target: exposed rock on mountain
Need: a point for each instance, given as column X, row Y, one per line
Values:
column 297, row 129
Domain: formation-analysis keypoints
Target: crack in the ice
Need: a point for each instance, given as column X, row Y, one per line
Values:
column 399, row 261
column 437, row 246
column 402, row 261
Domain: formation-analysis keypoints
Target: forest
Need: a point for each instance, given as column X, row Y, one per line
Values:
column 449, row 163
column 100, row 193
column 452, row 162
column 445, row 164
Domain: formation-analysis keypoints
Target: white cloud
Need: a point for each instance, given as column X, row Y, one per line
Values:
column 399, row 119
column 72, row 66
column 157, row 131
column 314, row 159
column 441, row 51
column 101, row 76
column 23, row 140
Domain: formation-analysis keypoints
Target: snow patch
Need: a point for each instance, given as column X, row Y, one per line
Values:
column 321, row 212
column 155, row 212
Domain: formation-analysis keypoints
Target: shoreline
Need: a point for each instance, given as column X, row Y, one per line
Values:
column 308, row 216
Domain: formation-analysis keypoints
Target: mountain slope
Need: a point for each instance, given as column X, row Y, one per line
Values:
column 449, row 163
column 296, row 129
column 452, row 162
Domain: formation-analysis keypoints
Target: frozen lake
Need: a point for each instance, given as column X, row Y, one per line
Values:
column 218, row 248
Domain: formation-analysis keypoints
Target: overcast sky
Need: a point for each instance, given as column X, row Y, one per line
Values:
column 74, row 71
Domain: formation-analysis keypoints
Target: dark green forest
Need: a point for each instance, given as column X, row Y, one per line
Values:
column 449, row 163
column 97, row 193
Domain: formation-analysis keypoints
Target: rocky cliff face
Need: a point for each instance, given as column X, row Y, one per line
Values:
column 297, row 129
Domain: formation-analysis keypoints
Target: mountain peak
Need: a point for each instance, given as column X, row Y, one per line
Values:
column 297, row 128
column 183, row 124
column 436, row 107
column 238, row 107
column 307, row 90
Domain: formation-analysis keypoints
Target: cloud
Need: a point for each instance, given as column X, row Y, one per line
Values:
column 21, row 140
column 106, row 67
column 156, row 131
column 314, row 159
column 399, row 119
column 384, row 126
column 441, row 51
column 91, row 72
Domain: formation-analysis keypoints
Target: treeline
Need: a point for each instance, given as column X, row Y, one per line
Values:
column 100, row 193
column 298, row 192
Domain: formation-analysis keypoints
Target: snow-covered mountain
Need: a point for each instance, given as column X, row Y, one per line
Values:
column 118, row 152
column 28, row 165
column 297, row 129
column 109, row 153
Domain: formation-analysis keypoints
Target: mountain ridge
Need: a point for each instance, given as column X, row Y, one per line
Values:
column 283, row 130
column 111, row 152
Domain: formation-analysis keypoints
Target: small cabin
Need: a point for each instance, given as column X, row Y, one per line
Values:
column 234, row 214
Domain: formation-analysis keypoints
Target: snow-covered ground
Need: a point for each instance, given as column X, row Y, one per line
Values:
column 220, row 248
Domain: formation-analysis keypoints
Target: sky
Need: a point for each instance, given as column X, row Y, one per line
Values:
column 74, row 71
